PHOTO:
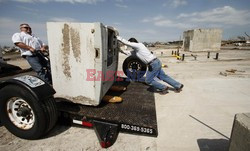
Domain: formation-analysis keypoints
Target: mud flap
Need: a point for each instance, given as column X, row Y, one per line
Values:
column 37, row 87
column 106, row 132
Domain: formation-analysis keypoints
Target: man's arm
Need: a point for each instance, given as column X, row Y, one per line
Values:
column 17, row 40
column 130, row 44
column 128, row 53
column 24, row 46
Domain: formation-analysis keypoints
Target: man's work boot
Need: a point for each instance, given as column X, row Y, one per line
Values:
column 163, row 92
column 179, row 89
column 112, row 99
column 118, row 88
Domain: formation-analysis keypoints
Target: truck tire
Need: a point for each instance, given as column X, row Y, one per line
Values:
column 24, row 115
column 133, row 66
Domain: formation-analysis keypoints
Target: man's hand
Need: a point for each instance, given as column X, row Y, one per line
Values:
column 32, row 49
column 24, row 46
column 43, row 49
column 127, row 53
column 123, row 52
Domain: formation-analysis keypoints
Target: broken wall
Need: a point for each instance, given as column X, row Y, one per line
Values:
column 202, row 40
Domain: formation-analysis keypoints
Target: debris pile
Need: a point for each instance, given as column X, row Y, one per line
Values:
column 232, row 72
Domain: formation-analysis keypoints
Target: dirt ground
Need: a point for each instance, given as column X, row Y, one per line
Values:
column 199, row 118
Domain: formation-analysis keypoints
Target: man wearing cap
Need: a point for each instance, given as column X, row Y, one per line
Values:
column 28, row 44
column 154, row 66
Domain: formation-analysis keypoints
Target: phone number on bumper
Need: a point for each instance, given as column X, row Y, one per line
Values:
column 137, row 128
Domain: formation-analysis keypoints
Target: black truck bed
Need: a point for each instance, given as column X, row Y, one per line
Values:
column 136, row 114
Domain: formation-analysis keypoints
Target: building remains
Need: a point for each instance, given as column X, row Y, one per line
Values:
column 202, row 40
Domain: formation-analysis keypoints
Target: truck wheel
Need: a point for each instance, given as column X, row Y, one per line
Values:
column 133, row 67
column 25, row 116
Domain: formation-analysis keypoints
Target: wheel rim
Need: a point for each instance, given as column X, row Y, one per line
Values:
column 20, row 113
column 134, row 65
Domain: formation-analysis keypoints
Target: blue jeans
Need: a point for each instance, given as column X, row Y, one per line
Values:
column 36, row 65
column 159, row 73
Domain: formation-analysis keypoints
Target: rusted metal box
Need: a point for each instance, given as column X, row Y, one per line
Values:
column 84, row 60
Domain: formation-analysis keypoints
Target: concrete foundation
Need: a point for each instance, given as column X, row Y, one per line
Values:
column 202, row 40
column 240, row 136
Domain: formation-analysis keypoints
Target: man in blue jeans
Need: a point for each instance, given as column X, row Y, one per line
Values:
column 28, row 44
column 154, row 66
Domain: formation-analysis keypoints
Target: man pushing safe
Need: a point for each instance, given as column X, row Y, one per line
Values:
column 154, row 66
column 28, row 45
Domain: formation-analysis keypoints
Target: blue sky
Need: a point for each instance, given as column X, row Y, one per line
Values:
column 147, row 20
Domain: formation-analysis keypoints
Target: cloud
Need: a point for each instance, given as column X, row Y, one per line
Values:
column 121, row 5
column 170, row 23
column 31, row 1
column 140, row 33
column 7, row 22
column 62, row 19
column 10, row 26
column 175, row 3
column 162, row 21
column 116, row 23
column 68, row 1
column 156, row 18
column 222, row 15
column 149, row 31
column 28, row 9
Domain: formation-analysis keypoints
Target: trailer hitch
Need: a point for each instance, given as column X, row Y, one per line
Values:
column 106, row 132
